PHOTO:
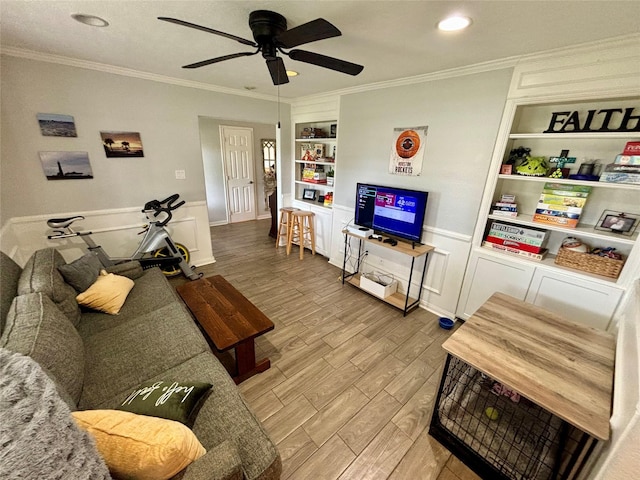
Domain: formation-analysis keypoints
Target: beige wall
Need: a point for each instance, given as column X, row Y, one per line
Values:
column 463, row 115
column 166, row 116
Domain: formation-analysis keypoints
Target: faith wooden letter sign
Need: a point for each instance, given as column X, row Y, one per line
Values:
column 605, row 120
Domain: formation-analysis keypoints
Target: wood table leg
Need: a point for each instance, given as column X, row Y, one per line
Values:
column 246, row 365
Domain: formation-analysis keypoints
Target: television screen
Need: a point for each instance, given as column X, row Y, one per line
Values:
column 395, row 211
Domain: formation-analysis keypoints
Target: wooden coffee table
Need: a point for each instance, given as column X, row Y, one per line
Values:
column 229, row 321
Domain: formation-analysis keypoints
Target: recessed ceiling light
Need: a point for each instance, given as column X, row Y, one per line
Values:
column 292, row 73
column 456, row 22
column 90, row 20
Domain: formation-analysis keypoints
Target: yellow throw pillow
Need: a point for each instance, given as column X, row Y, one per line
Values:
column 107, row 293
column 138, row 446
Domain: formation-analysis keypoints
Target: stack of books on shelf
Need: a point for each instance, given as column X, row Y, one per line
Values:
column 506, row 207
column 313, row 174
column 516, row 240
column 626, row 167
column 561, row 204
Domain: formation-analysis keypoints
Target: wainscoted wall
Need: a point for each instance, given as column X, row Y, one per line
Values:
column 445, row 269
column 116, row 230
column 621, row 457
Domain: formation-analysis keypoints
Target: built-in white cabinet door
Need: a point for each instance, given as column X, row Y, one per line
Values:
column 577, row 299
column 488, row 274
column 322, row 224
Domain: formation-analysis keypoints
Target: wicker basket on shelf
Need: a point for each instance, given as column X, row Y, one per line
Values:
column 605, row 266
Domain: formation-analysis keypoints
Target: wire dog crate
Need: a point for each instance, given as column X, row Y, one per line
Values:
column 498, row 433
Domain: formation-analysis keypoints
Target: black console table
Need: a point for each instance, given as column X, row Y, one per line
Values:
column 398, row 300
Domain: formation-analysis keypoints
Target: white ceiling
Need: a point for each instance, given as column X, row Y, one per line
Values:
column 392, row 39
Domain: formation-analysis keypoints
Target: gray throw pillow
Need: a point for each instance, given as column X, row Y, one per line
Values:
column 166, row 399
column 83, row 272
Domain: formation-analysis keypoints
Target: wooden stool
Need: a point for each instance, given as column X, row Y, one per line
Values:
column 301, row 231
column 285, row 222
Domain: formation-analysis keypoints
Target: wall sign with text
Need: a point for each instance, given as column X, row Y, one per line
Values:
column 604, row 120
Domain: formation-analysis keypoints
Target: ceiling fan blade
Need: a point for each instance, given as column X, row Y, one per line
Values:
column 244, row 41
column 313, row 31
column 277, row 71
column 326, row 62
column 219, row 59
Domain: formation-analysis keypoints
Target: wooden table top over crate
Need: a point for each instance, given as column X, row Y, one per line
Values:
column 229, row 321
column 562, row 366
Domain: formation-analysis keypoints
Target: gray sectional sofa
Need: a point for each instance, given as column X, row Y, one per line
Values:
column 95, row 359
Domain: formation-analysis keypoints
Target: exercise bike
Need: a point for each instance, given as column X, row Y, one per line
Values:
column 156, row 249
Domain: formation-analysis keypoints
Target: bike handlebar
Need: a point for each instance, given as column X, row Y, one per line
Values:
column 164, row 206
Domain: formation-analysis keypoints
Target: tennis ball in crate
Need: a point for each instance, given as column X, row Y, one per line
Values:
column 492, row 413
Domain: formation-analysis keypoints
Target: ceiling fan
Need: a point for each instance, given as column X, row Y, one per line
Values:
column 271, row 36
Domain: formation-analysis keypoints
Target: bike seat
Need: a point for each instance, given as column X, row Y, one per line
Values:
column 63, row 222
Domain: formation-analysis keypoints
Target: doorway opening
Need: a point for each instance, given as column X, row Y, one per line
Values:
column 240, row 172
column 215, row 173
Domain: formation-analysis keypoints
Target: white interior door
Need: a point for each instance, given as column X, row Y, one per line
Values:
column 237, row 155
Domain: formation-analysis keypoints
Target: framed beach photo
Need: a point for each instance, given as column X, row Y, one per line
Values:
column 618, row 222
column 122, row 144
column 56, row 125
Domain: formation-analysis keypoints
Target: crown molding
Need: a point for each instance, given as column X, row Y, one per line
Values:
column 128, row 72
column 581, row 48
column 482, row 67
column 509, row 62
column 427, row 77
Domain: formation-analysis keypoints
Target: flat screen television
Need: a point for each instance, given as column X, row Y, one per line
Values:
column 397, row 212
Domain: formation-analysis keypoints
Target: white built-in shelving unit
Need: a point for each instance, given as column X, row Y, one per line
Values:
column 589, row 298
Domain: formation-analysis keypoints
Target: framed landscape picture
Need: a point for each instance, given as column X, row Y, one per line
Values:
column 122, row 144
column 56, row 125
column 66, row 165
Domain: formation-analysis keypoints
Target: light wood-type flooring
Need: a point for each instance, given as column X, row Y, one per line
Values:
column 352, row 382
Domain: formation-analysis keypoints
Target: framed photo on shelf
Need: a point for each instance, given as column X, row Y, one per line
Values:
column 618, row 222
column 309, row 194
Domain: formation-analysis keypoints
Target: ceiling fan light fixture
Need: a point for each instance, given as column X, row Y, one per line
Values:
column 454, row 23
column 90, row 20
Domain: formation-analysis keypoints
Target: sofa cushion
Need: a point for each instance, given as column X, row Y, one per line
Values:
column 151, row 292
column 166, row 399
column 107, row 294
column 37, row 328
column 140, row 447
column 9, row 274
column 41, row 274
column 39, row 438
column 121, row 358
column 83, row 272
column 225, row 415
